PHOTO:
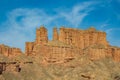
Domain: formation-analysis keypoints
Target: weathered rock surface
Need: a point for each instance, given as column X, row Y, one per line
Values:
column 70, row 43
column 73, row 54
column 81, row 68
column 9, row 51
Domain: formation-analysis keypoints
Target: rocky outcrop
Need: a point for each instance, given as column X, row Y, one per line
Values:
column 8, row 51
column 41, row 36
column 82, row 38
column 70, row 43
column 55, row 34
column 84, row 53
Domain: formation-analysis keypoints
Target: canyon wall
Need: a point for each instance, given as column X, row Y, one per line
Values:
column 70, row 43
column 8, row 51
column 41, row 36
column 82, row 38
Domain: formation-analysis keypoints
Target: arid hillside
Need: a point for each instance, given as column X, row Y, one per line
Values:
column 73, row 54
column 81, row 68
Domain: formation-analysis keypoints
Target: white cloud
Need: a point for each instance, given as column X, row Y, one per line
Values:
column 113, row 36
column 28, row 18
column 21, row 25
column 21, row 22
column 76, row 15
column 105, row 24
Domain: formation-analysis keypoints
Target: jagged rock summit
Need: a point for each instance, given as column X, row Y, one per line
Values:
column 69, row 43
column 72, row 54
column 9, row 51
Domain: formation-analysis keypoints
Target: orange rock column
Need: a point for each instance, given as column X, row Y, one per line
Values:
column 55, row 34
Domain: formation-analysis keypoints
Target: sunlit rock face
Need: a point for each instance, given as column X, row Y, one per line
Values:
column 69, row 43
column 9, row 51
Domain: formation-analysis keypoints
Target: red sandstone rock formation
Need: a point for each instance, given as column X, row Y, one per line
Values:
column 8, row 51
column 55, row 34
column 41, row 36
column 71, row 43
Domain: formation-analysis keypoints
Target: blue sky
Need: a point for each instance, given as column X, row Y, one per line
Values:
column 20, row 18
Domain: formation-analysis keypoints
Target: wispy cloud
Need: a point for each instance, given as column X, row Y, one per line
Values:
column 105, row 25
column 21, row 25
column 28, row 18
column 76, row 15
column 113, row 37
column 22, row 22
